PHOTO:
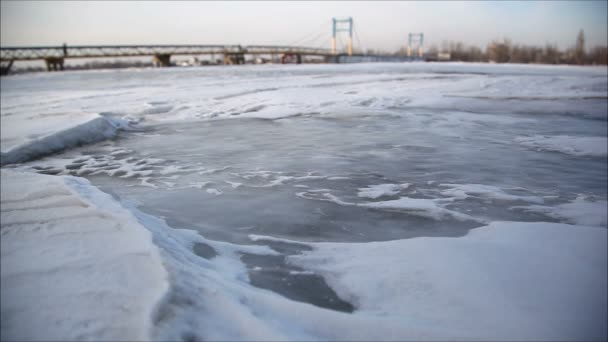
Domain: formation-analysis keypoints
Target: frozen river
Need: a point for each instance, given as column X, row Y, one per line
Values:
column 330, row 164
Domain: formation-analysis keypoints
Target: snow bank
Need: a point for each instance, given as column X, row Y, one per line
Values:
column 576, row 146
column 96, row 129
column 507, row 281
column 75, row 264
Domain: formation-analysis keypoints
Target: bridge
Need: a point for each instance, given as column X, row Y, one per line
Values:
column 55, row 56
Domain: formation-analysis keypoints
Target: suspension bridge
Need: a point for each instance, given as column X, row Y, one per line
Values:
column 313, row 44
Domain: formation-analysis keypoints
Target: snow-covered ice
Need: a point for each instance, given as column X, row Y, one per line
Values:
column 75, row 264
column 47, row 136
column 403, row 201
column 504, row 281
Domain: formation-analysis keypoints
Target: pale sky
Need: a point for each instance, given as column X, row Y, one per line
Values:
column 378, row 25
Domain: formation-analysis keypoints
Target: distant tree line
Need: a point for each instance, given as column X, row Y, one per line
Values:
column 507, row 52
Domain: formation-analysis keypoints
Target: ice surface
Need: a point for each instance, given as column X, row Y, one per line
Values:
column 422, row 207
column 580, row 211
column 376, row 191
column 54, row 104
column 540, row 287
column 502, row 281
column 576, row 146
column 418, row 206
column 367, row 155
column 462, row 191
column 75, row 264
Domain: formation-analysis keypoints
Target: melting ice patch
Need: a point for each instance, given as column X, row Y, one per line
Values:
column 576, row 146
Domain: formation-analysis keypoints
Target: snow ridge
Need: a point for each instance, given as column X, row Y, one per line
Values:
column 99, row 128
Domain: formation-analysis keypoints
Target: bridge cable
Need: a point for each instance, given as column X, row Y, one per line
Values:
column 307, row 35
column 324, row 43
column 321, row 36
column 358, row 41
column 339, row 43
column 313, row 40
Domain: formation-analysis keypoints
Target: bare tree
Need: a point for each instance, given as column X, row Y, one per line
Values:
column 579, row 50
column 551, row 55
column 499, row 52
column 598, row 55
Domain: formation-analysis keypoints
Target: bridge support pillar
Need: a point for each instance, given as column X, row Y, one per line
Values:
column 288, row 57
column 162, row 60
column 4, row 69
column 54, row 63
column 234, row 58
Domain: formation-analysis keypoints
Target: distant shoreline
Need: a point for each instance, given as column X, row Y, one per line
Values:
column 138, row 64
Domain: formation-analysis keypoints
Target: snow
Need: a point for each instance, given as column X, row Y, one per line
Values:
column 579, row 211
column 503, row 281
column 75, row 264
column 91, row 130
column 214, row 191
column 56, row 115
column 507, row 281
column 234, row 185
column 422, row 207
column 576, row 146
column 463, row 191
column 376, row 191
column 199, row 185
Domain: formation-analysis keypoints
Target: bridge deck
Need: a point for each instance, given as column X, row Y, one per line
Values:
column 44, row 52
